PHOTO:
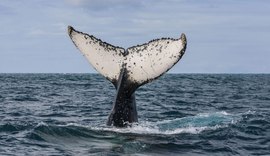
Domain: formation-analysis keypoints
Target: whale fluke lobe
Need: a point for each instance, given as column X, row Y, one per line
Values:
column 105, row 58
column 149, row 61
column 129, row 68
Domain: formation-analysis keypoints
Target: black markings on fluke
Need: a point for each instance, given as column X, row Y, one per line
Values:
column 128, row 69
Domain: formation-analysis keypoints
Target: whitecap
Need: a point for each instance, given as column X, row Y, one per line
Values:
column 190, row 124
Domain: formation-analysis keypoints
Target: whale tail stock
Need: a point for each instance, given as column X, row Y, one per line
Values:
column 127, row 69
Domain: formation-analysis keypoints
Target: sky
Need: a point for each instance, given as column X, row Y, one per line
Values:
column 223, row 36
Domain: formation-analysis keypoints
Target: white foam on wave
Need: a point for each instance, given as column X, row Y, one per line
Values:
column 191, row 124
column 216, row 113
column 146, row 129
column 192, row 130
column 41, row 124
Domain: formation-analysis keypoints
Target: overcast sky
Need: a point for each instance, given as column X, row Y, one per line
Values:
column 224, row 36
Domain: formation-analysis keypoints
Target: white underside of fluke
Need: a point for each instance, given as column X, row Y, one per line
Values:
column 148, row 61
column 143, row 62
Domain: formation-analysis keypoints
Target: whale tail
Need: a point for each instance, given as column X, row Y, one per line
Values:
column 143, row 63
column 129, row 68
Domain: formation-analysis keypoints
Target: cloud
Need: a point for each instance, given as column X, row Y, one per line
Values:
column 40, row 32
column 222, row 35
column 53, row 29
column 105, row 4
column 5, row 10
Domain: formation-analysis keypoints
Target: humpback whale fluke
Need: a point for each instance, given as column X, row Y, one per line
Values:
column 128, row 69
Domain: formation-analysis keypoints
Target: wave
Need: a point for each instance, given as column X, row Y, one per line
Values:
column 143, row 136
column 191, row 124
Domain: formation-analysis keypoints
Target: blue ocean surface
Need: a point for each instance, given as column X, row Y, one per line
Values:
column 179, row 114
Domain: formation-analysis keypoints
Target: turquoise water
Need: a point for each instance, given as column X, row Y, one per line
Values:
column 188, row 114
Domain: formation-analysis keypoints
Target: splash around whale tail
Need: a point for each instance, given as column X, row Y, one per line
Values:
column 143, row 63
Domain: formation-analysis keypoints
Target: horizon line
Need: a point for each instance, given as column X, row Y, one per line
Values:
column 99, row 73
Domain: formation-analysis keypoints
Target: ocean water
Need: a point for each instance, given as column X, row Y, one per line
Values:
column 179, row 114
